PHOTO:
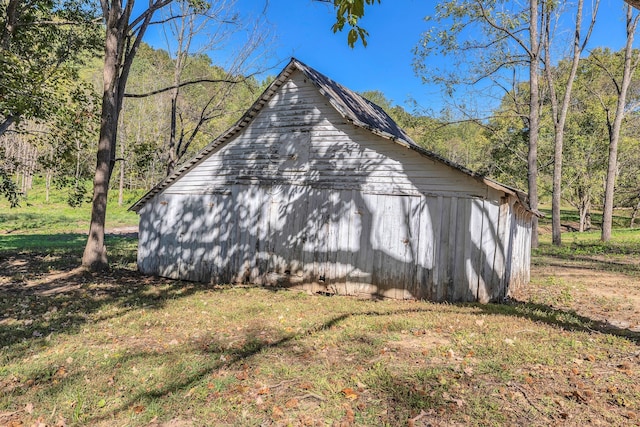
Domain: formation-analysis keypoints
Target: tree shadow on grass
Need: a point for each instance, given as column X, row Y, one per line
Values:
column 253, row 345
column 35, row 304
column 401, row 393
column 44, row 292
column 565, row 319
column 592, row 264
column 37, row 301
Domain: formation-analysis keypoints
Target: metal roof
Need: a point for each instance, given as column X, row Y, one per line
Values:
column 634, row 3
column 352, row 106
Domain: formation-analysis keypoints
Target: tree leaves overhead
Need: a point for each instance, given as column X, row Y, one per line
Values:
column 40, row 42
column 350, row 12
column 481, row 41
column 586, row 136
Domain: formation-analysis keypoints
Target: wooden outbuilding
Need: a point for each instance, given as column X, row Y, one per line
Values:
column 317, row 188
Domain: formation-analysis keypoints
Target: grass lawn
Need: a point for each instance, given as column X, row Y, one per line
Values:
column 124, row 349
column 36, row 215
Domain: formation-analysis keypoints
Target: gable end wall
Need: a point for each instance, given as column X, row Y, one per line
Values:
column 301, row 197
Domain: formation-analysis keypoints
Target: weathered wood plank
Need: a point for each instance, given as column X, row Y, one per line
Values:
column 467, row 287
column 439, row 289
column 452, row 266
column 364, row 241
column 410, row 242
column 302, row 196
column 502, row 249
column 492, row 247
column 489, row 279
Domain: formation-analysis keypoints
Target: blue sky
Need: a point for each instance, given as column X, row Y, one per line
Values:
column 302, row 28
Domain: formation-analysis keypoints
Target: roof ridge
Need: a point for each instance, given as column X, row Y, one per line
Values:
column 360, row 111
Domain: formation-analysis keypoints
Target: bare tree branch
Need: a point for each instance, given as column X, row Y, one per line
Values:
column 183, row 84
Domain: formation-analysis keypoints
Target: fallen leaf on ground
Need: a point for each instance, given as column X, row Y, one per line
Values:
column 291, row 403
column 277, row 413
column 306, row 385
column 349, row 416
column 349, row 393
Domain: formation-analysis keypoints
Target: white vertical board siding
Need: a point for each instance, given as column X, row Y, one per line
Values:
column 303, row 198
column 425, row 253
column 360, row 276
column 149, row 232
column 438, row 248
column 286, row 233
column 521, row 254
column 169, row 253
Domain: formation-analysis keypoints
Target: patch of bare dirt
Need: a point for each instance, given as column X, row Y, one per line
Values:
column 130, row 231
column 30, row 275
column 418, row 341
column 603, row 296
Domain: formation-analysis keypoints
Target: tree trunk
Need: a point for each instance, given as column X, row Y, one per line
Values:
column 121, row 183
column 78, row 152
column 634, row 214
column 95, row 253
column 34, row 166
column 174, row 148
column 614, row 132
column 10, row 25
column 534, row 118
column 172, row 159
column 6, row 124
column 560, row 111
column 585, row 216
column 609, row 189
column 121, row 44
column 556, row 232
column 48, row 176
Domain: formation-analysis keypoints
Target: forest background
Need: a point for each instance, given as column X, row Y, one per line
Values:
column 181, row 96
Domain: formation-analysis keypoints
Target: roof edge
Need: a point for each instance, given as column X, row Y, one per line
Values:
column 409, row 143
column 246, row 118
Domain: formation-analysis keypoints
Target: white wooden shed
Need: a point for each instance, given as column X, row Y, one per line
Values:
column 317, row 188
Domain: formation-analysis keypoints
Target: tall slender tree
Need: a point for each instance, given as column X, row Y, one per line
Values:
column 533, row 52
column 492, row 42
column 123, row 36
column 216, row 25
column 631, row 61
column 559, row 109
